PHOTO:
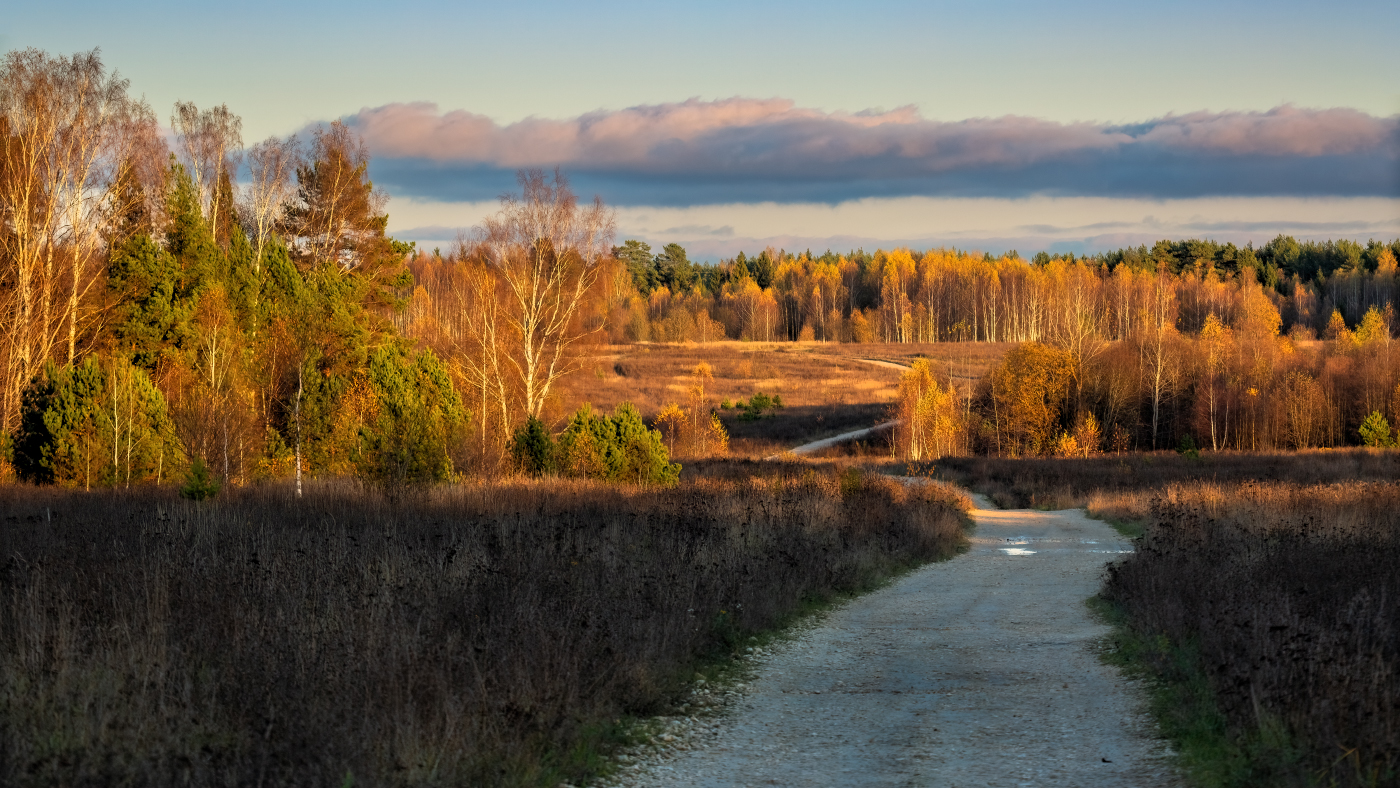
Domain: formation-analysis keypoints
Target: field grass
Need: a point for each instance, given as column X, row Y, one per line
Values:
column 1122, row 485
column 492, row 634
column 827, row 388
column 1267, row 614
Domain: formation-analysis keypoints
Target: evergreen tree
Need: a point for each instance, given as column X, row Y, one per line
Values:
column 101, row 422
column 532, row 448
column 418, row 416
column 618, row 448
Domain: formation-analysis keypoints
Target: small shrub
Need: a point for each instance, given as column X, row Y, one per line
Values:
column 1187, row 448
column 758, row 405
column 1375, row 431
column 616, row 448
column 532, row 448
column 199, row 485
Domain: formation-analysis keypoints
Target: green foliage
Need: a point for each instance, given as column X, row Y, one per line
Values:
column 1187, row 448
column 532, row 448
column 102, row 422
column 636, row 255
column 419, row 416
column 1375, row 431
column 199, row 485
column 725, row 404
column 616, row 448
column 154, row 310
column 758, row 405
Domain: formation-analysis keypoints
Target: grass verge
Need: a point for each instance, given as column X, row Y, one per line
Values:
column 1265, row 614
column 1183, row 703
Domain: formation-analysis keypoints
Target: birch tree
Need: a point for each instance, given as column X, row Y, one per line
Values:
column 65, row 127
column 272, row 164
column 545, row 248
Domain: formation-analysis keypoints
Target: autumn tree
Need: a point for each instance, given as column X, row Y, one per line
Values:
column 929, row 422
column 272, row 165
column 337, row 220
column 210, row 143
column 545, row 248
column 1028, row 390
column 1157, row 343
column 66, row 126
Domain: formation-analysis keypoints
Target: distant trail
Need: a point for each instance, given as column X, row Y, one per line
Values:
column 880, row 363
column 808, row 448
column 977, row 671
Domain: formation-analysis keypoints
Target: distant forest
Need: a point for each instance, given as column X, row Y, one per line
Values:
column 242, row 307
column 950, row 295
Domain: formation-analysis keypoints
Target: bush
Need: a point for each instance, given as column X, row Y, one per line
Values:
column 532, row 448
column 1375, row 431
column 199, row 485
column 758, row 405
column 66, row 432
column 1187, row 448
column 417, row 415
column 617, row 448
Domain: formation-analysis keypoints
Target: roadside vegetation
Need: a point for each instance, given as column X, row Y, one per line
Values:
column 1266, row 614
column 495, row 634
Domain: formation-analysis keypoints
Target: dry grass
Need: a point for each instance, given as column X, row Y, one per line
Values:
column 1285, row 600
column 476, row 635
column 1073, row 483
column 827, row 388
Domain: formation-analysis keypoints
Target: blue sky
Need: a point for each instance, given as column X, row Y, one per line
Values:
column 1086, row 71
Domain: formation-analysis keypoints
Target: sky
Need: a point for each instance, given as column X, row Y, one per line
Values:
column 1075, row 126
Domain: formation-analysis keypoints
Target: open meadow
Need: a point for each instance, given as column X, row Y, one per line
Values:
column 827, row 388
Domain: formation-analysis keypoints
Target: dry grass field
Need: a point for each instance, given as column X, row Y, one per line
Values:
column 477, row 634
column 827, row 388
column 1267, row 612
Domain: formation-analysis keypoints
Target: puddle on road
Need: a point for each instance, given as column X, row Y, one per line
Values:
column 1017, row 551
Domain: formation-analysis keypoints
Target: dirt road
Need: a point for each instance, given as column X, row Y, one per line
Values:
column 975, row 672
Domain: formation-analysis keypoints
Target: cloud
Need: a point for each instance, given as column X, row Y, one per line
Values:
column 749, row 150
column 1029, row 224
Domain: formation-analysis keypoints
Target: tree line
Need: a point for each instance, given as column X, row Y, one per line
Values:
column 951, row 295
column 243, row 306
column 159, row 312
column 1232, row 382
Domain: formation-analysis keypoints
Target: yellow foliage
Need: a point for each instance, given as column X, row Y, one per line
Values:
column 1259, row 318
column 1373, row 327
column 1029, row 388
column 930, row 424
column 1066, row 446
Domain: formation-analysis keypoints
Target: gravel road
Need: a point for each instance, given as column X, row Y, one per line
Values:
column 979, row 671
